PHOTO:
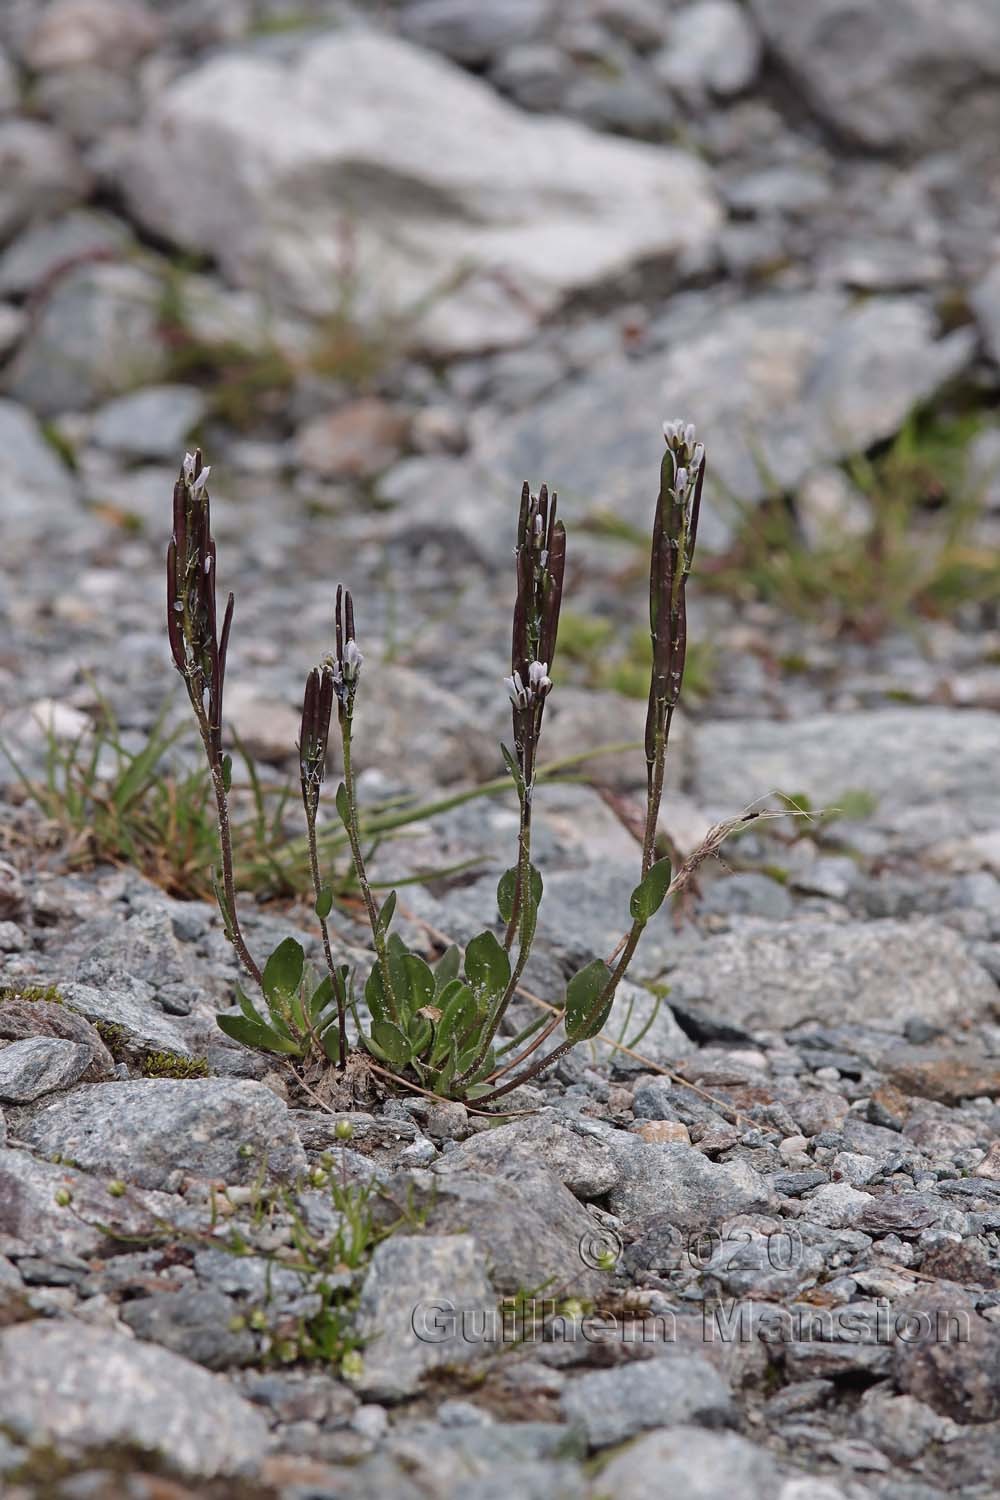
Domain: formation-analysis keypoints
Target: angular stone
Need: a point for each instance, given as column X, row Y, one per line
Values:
column 679, row 1181
column 96, row 334
column 773, row 976
column 39, row 1065
column 128, row 1004
column 419, row 175
column 32, row 1220
column 426, row 1302
column 27, row 462
column 948, row 1075
column 151, row 1131
column 41, row 251
column 472, row 33
column 587, row 1166
column 837, row 1205
column 41, row 173
column 527, row 1225
column 949, row 1357
column 905, row 74
column 928, row 769
column 775, row 377
column 691, row 1462
column 713, row 47
column 610, row 1406
column 76, row 1387
column 152, row 423
column 194, row 1323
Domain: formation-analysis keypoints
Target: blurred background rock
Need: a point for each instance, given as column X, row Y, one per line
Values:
column 384, row 261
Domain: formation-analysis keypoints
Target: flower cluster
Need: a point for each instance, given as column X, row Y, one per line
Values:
column 199, row 651
column 524, row 694
column 540, row 560
column 345, row 666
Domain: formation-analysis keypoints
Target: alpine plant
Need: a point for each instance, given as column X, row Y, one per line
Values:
column 437, row 1027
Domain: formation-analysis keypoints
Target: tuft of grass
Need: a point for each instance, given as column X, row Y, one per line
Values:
column 919, row 558
column 161, row 821
column 137, row 813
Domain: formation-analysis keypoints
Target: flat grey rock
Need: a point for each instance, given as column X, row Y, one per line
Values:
column 688, row 1461
column 931, row 771
column 130, row 1004
column 426, row 1302
column 42, row 250
column 97, row 333
column 587, row 1166
column 150, row 1131
column 906, row 75
column 679, row 1181
column 152, row 423
column 87, row 1388
column 773, row 975
column 39, row 1065
column 776, row 384
column 527, row 1224
column 194, row 1323
column 674, row 1388
column 28, row 463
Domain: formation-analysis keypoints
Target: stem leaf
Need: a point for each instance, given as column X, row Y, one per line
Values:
column 343, row 805
column 508, row 886
column 324, row 903
column 647, row 898
column 582, row 994
column 385, row 915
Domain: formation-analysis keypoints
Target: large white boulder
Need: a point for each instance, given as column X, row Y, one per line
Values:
column 370, row 170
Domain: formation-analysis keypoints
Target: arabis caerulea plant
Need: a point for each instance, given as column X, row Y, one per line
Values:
column 437, row 1027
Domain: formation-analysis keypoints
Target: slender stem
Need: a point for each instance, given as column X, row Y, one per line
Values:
column 525, row 917
column 631, row 941
column 521, row 883
column 226, row 856
column 354, row 837
column 338, row 989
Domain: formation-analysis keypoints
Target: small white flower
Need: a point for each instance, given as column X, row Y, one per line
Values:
column 353, row 661
column 538, row 678
column 188, row 467
column 680, row 482
column 690, row 435
column 197, row 485
column 515, row 690
column 523, row 694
